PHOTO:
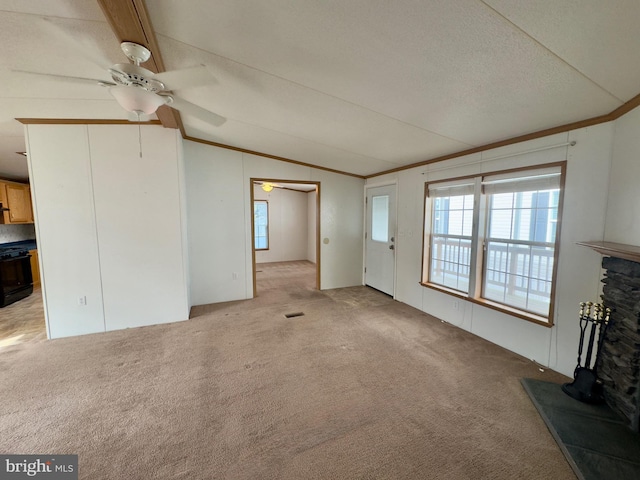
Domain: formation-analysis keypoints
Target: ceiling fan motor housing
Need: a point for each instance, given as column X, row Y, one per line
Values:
column 133, row 75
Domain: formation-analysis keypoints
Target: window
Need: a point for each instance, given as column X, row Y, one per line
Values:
column 451, row 230
column 261, row 224
column 494, row 238
column 380, row 218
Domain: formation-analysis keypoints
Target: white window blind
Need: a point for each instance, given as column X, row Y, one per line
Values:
column 530, row 181
column 451, row 189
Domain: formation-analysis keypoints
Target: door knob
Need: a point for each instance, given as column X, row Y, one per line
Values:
column 391, row 247
column 393, row 239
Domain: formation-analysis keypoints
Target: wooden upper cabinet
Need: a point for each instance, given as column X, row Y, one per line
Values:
column 17, row 198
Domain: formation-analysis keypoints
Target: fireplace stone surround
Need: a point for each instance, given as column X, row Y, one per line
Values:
column 619, row 359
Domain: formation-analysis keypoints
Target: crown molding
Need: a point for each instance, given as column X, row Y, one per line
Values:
column 267, row 155
column 609, row 117
column 81, row 121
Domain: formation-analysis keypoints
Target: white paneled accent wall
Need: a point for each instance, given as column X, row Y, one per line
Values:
column 109, row 223
column 62, row 188
column 220, row 215
column 288, row 226
column 579, row 273
column 138, row 212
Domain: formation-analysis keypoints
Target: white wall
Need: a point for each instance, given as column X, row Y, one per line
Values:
column 215, row 220
column 579, row 273
column 62, row 189
column 109, row 225
column 341, row 229
column 220, row 214
column 288, row 226
column 623, row 211
column 312, row 198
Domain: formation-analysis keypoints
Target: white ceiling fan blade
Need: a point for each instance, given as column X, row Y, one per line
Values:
column 189, row 108
column 68, row 78
column 186, row 77
column 77, row 45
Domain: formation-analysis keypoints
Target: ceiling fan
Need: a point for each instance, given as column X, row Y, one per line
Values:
column 140, row 91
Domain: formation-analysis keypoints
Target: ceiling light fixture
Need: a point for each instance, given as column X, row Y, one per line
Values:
column 137, row 100
column 267, row 187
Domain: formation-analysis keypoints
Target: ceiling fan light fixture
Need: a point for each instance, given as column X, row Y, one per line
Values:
column 267, row 187
column 137, row 100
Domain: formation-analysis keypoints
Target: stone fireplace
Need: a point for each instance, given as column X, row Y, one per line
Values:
column 619, row 360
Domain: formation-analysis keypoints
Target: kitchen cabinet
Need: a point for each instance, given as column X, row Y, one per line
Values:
column 35, row 267
column 16, row 197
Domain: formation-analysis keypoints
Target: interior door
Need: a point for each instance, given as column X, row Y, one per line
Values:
column 380, row 245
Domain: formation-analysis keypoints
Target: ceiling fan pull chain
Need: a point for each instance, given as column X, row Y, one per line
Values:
column 139, row 134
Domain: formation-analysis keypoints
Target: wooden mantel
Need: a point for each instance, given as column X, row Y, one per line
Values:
column 619, row 250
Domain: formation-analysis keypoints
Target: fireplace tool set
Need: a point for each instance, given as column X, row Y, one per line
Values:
column 586, row 386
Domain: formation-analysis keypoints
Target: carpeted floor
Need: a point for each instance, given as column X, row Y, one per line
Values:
column 359, row 387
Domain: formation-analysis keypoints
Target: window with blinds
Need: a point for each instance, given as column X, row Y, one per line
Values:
column 494, row 238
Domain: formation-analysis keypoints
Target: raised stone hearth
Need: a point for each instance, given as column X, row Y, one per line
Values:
column 619, row 359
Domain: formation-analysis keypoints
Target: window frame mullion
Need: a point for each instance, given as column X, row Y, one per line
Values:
column 476, row 244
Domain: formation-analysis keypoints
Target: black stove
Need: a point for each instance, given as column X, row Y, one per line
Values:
column 16, row 281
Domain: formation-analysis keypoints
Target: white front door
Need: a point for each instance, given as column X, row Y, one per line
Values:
column 380, row 246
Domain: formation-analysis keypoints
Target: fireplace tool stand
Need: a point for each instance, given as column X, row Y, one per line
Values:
column 586, row 385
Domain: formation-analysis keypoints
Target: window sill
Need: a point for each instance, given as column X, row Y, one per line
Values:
column 514, row 312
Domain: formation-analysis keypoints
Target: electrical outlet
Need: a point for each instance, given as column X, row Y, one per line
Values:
column 456, row 304
column 82, row 301
column 234, row 275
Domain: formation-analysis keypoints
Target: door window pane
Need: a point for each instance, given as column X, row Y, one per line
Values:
column 380, row 218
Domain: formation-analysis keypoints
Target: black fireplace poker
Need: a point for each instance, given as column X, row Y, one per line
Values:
column 586, row 386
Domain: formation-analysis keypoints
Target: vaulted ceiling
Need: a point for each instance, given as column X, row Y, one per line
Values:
column 358, row 86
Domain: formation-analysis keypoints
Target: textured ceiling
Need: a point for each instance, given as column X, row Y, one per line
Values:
column 357, row 86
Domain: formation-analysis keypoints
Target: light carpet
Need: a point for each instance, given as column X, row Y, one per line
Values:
column 360, row 387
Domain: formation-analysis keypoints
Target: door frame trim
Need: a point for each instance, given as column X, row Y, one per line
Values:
column 367, row 186
column 254, row 180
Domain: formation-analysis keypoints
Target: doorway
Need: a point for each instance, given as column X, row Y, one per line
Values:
column 285, row 233
column 380, row 238
column 21, row 305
